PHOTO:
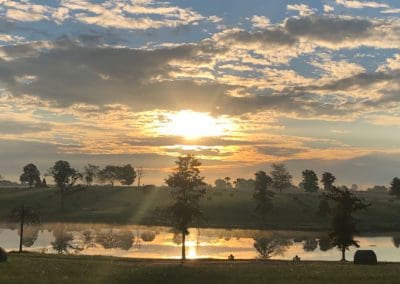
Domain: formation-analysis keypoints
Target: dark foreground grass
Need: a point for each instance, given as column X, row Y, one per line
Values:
column 222, row 209
column 37, row 268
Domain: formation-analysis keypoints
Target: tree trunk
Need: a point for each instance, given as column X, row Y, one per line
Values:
column 183, row 246
column 138, row 183
column 343, row 254
column 62, row 197
column 21, row 228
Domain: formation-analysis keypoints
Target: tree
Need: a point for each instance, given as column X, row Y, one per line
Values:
column 30, row 175
column 262, row 195
column 323, row 207
column 44, row 183
column 310, row 181
column 327, row 180
column 343, row 222
column 109, row 173
column 139, row 173
column 1, row 177
column 186, row 184
column 227, row 182
column 126, row 174
column 64, row 175
column 220, row 184
column 267, row 247
column 281, row 177
column 90, row 173
column 23, row 215
column 395, row 187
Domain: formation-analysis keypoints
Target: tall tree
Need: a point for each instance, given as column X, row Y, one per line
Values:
column 281, row 177
column 109, row 173
column 186, row 184
column 126, row 174
column 64, row 175
column 395, row 187
column 30, row 175
column 23, row 215
column 343, row 222
column 327, row 180
column 262, row 195
column 310, row 181
column 90, row 173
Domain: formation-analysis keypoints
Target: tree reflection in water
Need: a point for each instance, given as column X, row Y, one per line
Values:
column 123, row 239
column 267, row 247
column 310, row 244
column 62, row 240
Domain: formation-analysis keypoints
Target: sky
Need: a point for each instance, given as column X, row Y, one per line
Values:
column 240, row 84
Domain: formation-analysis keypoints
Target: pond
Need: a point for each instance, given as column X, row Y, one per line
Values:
column 162, row 242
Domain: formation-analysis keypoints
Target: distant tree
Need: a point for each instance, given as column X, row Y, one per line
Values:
column 139, row 173
column 1, row 177
column 378, row 188
column 24, row 216
column 310, row 181
column 90, row 173
column 44, row 183
column 62, row 240
column 262, row 194
column 343, row 222
column 354, row 187
column 64, row 175
column 327, row 180
column 220, row 184
column 109, row 173
column 227, row 182
column 267, row 247
column 395, row 187
column 126, row 174
column 186, row 184
column 325, row 243
column 244, row 184
column 30, row 175
column 281, row 177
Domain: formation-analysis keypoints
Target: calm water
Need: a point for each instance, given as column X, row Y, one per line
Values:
column 161, row 242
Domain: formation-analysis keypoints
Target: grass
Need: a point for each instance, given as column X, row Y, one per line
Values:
column 223, row 209
column 38, row 268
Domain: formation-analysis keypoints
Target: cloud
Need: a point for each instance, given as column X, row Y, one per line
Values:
column 354, row 4
column 260, row 21
column 22, row 127
column 302, row 9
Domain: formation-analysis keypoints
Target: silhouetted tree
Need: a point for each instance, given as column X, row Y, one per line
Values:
column 327, row 180
column 186, row 184
column 126, row 174
column 110, row 174
column 343, row 222
column 227, row 182
column 30, row 175
column 24, row 216
column 44, row 183
column 310, row 181
column 354, row 187
column 1, row 177
column 62, row 240
column 262, row 194
column 64, row 175
column 281, row 177
column 220, row 184
column 325, row 243
column 90, row 173
column 395, row 187
column 267, row 247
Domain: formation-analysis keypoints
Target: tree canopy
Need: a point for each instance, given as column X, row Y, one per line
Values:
column 310, row 181
column 281, row 178
column 30, row 175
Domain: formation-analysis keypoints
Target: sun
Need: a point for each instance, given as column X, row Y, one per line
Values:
column 194, row 125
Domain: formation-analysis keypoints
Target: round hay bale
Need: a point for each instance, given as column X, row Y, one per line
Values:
column 365, row 257
column 3, row 255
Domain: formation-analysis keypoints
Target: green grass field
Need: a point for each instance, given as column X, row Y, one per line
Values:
column 37, row 268
column 119, row 205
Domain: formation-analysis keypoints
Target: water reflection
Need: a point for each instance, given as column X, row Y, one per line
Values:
column 161, row 242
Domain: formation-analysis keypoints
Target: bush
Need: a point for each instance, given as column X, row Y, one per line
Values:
column 3, row 255
column 365, row 257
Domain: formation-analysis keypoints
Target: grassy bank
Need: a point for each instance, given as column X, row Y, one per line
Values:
column 295, row 211
column 36, row 268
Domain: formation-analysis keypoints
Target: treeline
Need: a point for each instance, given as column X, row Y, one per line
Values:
column 63, row 173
